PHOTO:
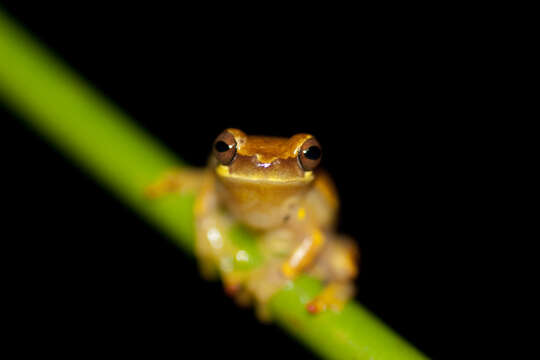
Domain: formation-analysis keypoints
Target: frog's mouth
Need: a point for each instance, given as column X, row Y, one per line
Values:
column 223, row 172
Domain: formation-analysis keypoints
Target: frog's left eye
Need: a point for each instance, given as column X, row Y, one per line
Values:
column 225, row 148
column 310, row 154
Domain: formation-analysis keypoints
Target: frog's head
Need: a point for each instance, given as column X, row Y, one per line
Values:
column 261, row 180
column 263, row 159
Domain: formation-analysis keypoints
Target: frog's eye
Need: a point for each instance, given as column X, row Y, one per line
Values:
column 225, row 148
column 310, row 154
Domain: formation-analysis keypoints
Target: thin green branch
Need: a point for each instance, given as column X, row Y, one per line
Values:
column 124, row 159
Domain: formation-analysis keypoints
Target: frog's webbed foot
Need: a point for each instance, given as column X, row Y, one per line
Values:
column 175, row 180
column 333, row 297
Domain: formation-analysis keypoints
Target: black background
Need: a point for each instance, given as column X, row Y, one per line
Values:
column 392, row 112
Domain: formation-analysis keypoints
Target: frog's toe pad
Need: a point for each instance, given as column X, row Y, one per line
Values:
column 333, row 297
column 319, row 305
column 312, row 308
column 231, row 289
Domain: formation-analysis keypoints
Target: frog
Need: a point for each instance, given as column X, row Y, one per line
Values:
column 275, row 187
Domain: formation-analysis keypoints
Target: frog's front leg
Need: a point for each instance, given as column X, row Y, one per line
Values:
column 264, row 282
column 214, row 249
column 304, row 254
column 336, row 293
column 211, row 244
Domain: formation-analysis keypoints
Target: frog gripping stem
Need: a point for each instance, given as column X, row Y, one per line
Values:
column 74, row 117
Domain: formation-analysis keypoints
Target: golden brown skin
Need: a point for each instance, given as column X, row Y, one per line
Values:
column 268, row 184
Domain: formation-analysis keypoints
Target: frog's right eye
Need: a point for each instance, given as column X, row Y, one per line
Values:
column 225, row 148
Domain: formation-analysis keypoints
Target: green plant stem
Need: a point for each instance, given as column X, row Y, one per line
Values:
column 101, row 139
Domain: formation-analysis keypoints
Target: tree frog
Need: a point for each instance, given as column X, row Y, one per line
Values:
column 273, row 186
